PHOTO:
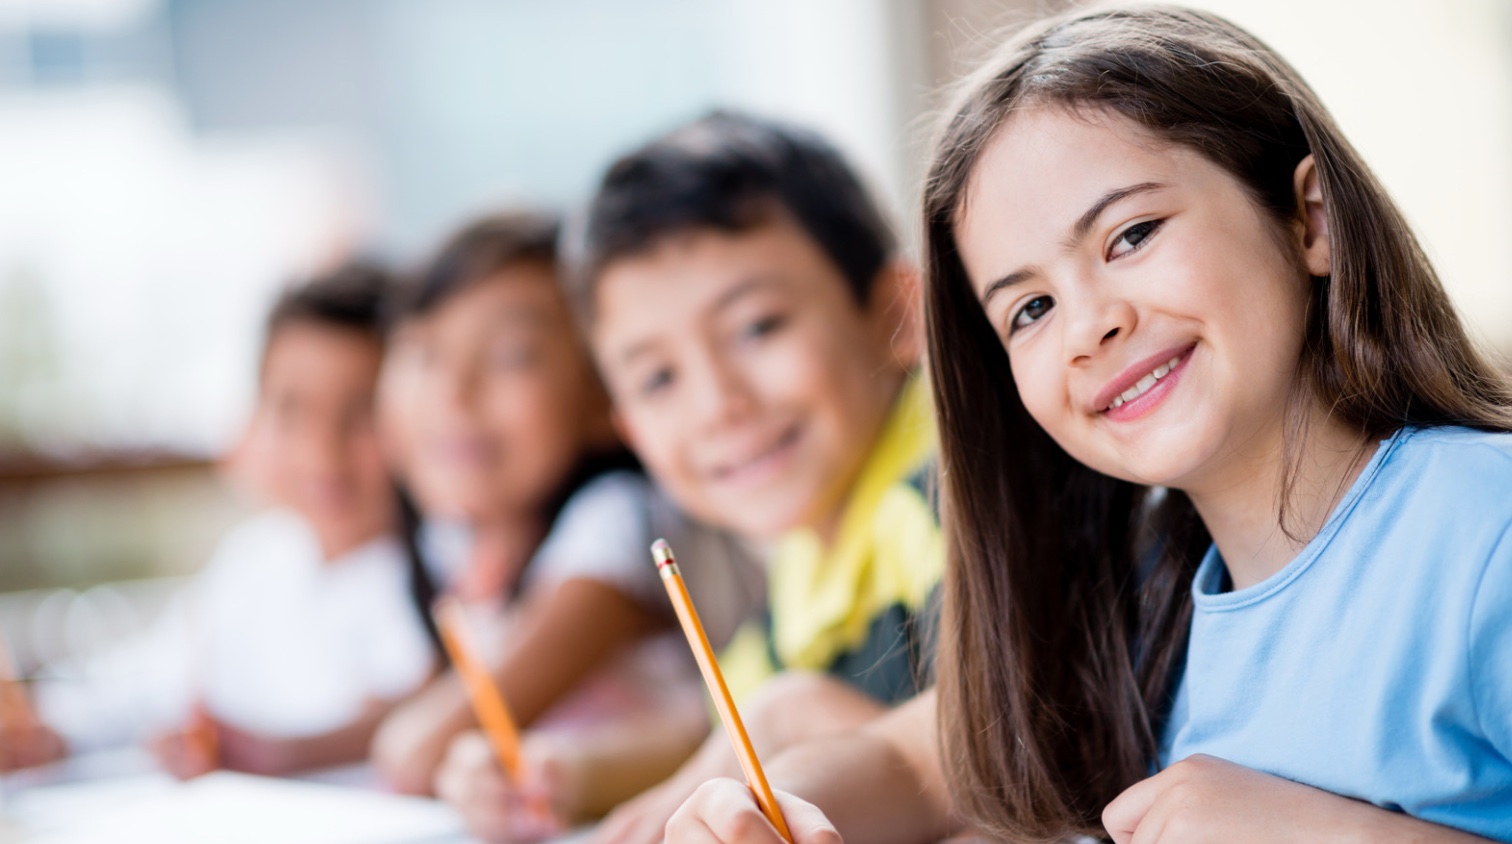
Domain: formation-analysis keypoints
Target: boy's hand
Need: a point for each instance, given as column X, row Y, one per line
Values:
column 495, row 809
column 184, row 754
column 28, row 744
column 725, row 811
column 25, row 742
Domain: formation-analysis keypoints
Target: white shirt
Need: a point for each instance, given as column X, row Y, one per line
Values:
column 272, row 637
column 604, row 533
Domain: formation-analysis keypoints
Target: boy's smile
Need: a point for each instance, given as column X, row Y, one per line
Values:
column 746, row 375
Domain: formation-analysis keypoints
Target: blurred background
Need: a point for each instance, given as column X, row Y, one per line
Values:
column 166, row 165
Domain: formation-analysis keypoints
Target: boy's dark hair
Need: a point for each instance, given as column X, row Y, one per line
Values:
column 731, row 172
column 351, row 296
column 479, row 251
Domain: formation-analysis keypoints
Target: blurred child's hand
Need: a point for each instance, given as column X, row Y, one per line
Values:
column 253, row 753
column 27, row 743
column 497, row 810
column 410, row 743
column 185, row 754
column 725, row 811
column 643, row 820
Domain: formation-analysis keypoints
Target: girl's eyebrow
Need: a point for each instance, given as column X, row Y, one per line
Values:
column 1078, row 232
column 1085, row 222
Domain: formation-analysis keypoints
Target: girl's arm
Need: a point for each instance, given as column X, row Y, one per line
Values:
column 792, row 708
column 1206, row 799
column 881, row 784
column 579, row 774
column 563, row 634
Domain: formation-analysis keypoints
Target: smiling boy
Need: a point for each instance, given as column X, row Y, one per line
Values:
column 758, row 337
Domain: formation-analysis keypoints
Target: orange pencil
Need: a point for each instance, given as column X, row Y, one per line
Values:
column 699, row 642
column 487, row 702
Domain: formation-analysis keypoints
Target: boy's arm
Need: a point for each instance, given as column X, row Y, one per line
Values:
column 240, row 750
column 564, row 633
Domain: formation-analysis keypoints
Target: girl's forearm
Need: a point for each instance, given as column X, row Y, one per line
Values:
column 881, row 784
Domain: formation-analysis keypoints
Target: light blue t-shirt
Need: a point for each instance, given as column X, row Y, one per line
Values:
column 1378, row 663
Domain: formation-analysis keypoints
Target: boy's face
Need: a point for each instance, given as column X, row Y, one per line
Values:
column 312, row 445
column 745, row 374
column 490, row 399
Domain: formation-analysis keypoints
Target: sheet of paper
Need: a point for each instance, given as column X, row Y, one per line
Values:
column 227, row 808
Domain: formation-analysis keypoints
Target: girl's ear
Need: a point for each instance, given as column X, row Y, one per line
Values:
column 895, row 304
column 1313, row 226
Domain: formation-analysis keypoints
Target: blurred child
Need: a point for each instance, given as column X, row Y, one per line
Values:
column 535, row 514
column 298, row 636
column 755, row 332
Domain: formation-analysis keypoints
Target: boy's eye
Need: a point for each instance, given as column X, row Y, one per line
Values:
column 759, row 328
column 1032, row 312
column 1133, row 238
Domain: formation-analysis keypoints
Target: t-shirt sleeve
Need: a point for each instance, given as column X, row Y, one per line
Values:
column 1491, row 647
column 603, row 534
column 397, row 653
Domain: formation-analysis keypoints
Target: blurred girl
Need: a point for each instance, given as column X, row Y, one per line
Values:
column 1228, row 487
column 298, row 637
column 535, row 514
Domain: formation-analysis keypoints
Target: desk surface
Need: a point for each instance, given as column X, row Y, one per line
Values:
column 122, row 796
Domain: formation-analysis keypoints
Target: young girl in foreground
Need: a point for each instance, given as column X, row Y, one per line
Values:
column 1229, row 491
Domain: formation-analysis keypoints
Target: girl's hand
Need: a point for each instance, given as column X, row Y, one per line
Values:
column 1202, row 798
column 724, row 810
column 643, row 819
column 495, row 809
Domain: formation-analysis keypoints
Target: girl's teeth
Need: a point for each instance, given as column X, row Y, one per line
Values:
column 1146, row 382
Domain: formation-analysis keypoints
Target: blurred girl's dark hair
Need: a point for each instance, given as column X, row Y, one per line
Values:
column 478, row 252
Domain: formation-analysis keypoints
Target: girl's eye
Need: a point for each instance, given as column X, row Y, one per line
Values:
column 511, row 357
column 655, row 383
column 1133, row 238
column 1032, row 312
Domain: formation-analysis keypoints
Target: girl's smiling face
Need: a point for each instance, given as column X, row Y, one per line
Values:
column 1153, row 313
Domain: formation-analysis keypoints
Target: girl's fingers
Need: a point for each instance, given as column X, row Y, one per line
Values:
column 805, row 821
column 1122, row 817
column 724, row 811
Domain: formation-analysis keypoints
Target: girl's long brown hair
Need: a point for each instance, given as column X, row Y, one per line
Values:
column 1067, row 597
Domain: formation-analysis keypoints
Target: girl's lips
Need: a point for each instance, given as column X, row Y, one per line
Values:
column 1137, row 406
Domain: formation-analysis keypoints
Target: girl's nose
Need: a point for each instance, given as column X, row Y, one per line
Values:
column 1093, row 322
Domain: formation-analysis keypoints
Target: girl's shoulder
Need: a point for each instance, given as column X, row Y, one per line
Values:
column 1466, row 461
